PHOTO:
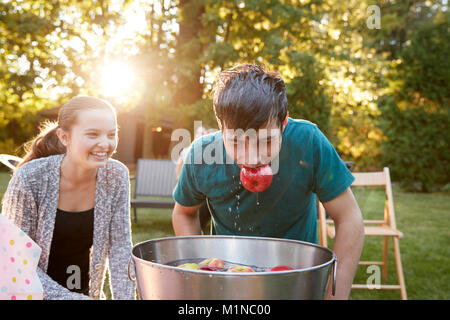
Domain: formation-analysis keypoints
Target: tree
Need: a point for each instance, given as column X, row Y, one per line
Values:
column 23, row 55
column 40, row 65
column 339, row 73
column 416, row 109
column 189, row 51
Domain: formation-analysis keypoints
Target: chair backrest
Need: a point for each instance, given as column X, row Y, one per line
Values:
column 369, row 179
column 9, row 160
column 155, row 178
column 381, row 178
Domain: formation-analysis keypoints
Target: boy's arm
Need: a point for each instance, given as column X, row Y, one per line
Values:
column 348, row 241
column 185, row 220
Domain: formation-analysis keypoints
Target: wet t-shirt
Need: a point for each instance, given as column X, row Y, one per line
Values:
column 308, row 165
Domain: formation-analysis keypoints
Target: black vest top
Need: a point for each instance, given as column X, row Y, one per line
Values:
column 70, row 250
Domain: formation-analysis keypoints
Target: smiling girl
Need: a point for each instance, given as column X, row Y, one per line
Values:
column 72, row 199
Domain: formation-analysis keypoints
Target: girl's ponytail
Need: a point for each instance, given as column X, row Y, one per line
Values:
column 45, row 144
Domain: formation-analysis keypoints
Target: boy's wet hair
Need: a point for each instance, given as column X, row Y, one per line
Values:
column 246, row 96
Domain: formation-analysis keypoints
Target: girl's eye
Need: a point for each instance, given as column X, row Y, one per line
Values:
column 91, row 134
column 111, row 136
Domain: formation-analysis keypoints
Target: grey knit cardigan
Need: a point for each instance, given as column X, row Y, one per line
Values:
column 31, row 200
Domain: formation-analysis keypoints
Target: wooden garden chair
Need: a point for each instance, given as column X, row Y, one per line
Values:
column 385, row 228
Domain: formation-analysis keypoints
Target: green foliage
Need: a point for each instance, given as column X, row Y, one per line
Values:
column 38, row 64
column 339, row 73
column 185, row 115
column 271, row 33
column 306, row 95
column 417, row 145
column 399, row 19
column 416, row 112
column 426, row 64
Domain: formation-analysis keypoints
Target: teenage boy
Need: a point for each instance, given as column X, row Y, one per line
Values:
column 305, row 164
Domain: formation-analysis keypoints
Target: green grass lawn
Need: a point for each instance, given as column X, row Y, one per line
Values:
column 423, row 218
column 4, row 178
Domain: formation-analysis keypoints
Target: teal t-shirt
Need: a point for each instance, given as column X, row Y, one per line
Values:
column 308, row 166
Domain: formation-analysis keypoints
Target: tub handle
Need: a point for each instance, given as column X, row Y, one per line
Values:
column 129, row 274
column 333, row 287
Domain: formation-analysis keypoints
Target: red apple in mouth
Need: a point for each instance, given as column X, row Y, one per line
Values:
column 256, row 179
column 240, row 269
column 280, row 268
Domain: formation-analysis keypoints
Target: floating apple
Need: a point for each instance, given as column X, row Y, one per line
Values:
column 212, row 264
column 208, row 269
column 240, row 269
column 256, row 179
column 192, row 266
column 280, row 268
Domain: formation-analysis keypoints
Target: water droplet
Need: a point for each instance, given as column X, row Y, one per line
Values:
column 257, row 198
column 229, row 209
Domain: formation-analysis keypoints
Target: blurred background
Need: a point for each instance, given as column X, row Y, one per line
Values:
column 379, row 89
column 373, row 75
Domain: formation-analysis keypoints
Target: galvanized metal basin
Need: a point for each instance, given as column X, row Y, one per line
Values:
column 157, row 280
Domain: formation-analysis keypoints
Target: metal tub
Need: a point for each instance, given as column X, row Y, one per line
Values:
column 156, row 280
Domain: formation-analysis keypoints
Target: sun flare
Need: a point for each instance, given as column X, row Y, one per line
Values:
column 116, row 79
